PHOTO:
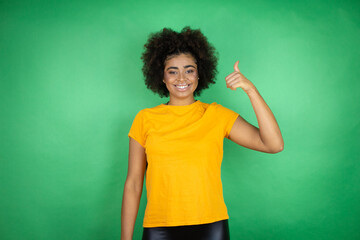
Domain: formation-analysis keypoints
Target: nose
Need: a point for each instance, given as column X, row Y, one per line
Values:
column 182, row 76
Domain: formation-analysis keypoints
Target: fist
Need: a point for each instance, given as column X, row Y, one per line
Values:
column 236, row 79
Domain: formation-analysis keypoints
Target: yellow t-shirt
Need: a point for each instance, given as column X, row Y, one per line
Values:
column 184, row 150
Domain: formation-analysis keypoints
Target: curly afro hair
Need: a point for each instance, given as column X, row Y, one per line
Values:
column 167, row 43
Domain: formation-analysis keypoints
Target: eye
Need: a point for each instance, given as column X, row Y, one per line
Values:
column 172, row 72
column 190, row 71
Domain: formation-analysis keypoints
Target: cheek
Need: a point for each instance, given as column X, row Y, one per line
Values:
column 194, row 86
column 166, row 76
column 167, row 79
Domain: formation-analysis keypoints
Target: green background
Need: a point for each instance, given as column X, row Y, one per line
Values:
column 71, row 84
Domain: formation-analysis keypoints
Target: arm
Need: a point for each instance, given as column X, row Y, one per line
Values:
column 132, row 189
column 267, row 138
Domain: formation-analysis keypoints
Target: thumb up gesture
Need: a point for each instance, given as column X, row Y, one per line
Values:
column 237, row 79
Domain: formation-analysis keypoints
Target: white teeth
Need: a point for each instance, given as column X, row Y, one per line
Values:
column 181, row 86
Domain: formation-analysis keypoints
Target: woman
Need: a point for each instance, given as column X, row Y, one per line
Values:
column 180, row 144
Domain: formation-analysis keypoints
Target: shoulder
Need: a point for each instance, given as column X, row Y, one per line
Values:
column 150, row 111
column 224, row 112
column 204, row 106
column 218, row 106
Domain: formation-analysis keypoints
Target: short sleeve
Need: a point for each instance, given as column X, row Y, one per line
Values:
column 227, row 118
column 137, row 130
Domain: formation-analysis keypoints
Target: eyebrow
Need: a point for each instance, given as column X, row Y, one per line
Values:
column 178, row 68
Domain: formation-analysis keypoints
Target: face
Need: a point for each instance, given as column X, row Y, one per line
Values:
column 181, row 76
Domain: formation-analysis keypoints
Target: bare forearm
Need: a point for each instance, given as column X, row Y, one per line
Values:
column 129, row 210
column 270, row 133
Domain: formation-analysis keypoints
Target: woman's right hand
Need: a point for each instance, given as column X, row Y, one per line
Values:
column 132, row 189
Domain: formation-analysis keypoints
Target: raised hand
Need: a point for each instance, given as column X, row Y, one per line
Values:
column 237, row 79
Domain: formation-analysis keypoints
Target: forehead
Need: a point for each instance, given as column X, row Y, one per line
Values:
column 179, row 59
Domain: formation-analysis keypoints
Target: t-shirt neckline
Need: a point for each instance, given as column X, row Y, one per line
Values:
column 181, row 106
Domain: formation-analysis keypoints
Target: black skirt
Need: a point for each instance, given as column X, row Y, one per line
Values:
column 210, row 231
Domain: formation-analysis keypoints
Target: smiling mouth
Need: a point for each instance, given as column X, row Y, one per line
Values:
column 182, row 87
